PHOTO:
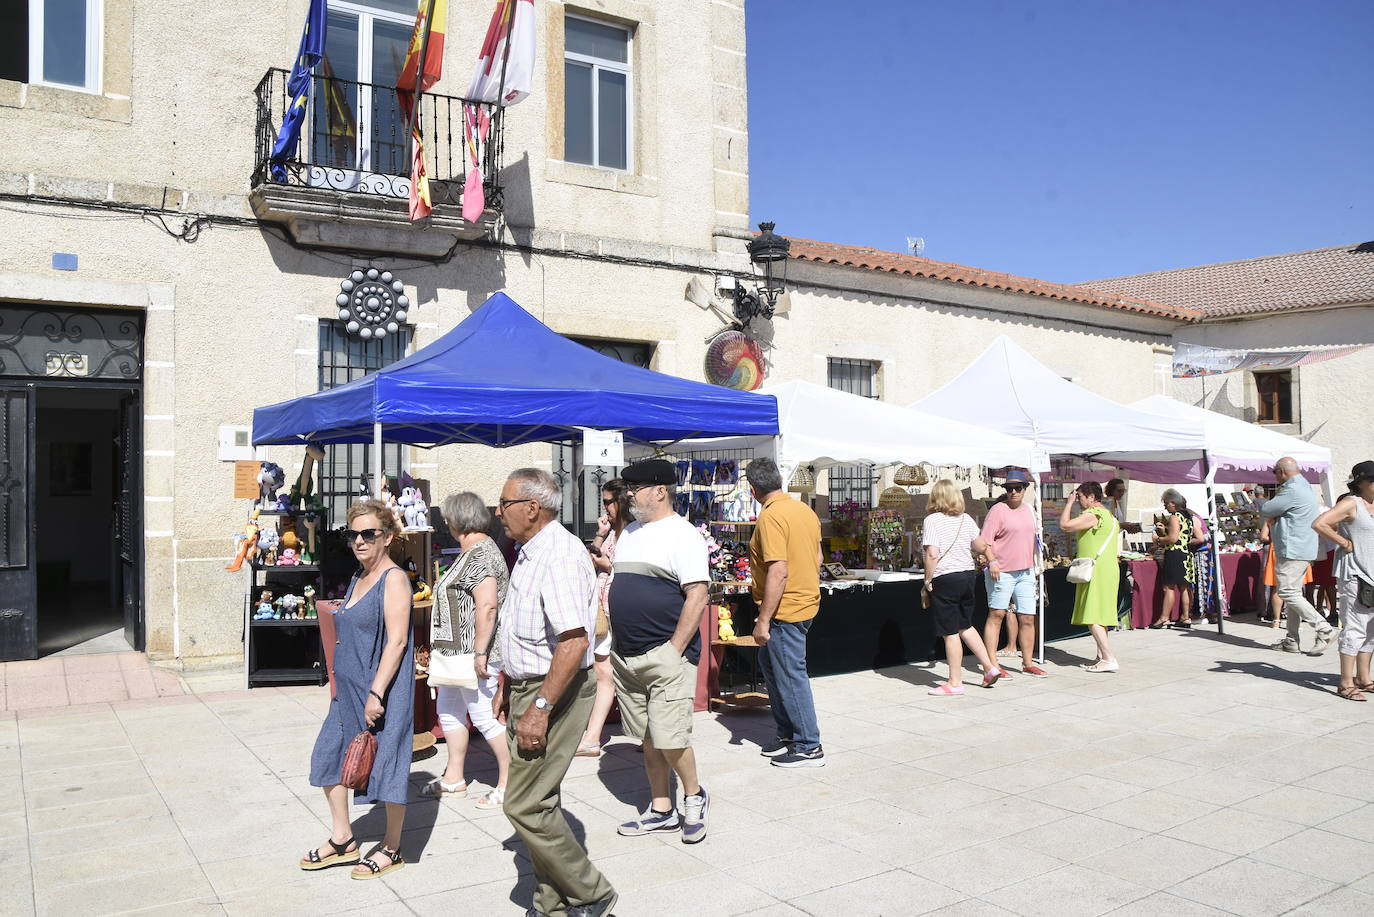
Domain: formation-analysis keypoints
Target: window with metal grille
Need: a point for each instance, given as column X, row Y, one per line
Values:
column 343, row 358
column 857, row 377
column 1275, row 393
column 582, row 494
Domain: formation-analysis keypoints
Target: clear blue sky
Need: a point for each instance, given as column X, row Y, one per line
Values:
column 1065, row 139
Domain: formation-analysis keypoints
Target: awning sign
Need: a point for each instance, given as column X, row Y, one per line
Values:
column 603, row 447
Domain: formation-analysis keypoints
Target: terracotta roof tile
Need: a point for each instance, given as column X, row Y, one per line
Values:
column 873, row 259
column 1275, row 283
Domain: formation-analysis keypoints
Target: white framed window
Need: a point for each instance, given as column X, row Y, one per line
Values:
column 598, row 86
column 65, row 43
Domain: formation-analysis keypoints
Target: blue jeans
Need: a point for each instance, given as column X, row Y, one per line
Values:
column 783, row 661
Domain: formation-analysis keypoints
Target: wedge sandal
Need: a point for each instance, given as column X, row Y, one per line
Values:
column 341, row 856
column 373, row 870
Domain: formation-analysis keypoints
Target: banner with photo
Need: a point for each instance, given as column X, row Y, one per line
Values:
column 1192, row 360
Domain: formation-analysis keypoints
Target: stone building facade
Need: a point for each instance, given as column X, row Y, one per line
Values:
column 141, row 194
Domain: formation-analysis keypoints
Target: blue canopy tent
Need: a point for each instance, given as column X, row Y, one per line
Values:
column 503, row 378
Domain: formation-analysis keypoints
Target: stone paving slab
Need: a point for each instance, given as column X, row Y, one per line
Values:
column 1210, row 776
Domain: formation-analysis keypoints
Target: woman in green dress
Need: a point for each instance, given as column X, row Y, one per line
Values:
column 1099, row 537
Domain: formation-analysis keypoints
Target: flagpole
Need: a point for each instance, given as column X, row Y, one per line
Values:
column 505, row 56
column 420, row 67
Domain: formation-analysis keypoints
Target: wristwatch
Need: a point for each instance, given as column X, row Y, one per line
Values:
column 541, row 703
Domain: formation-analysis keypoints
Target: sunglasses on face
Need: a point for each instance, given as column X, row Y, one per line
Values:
column 367, row 535
column 1014, row 488
column 609, row 503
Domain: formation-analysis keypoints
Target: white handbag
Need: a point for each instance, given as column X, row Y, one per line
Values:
column 1081, row 570
column 456, row 670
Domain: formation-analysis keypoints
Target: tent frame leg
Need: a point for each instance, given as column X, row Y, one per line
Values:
column 378, row 476
column 1039, row 573
column 1218, row 584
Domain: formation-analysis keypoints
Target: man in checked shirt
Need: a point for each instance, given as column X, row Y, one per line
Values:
column 547, row 657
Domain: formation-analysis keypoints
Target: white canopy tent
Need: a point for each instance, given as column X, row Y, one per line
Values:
column 1009, row 390
column 820, row 427
column 1238, row 451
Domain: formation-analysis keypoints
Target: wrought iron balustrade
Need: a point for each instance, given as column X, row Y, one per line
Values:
column 356, row 138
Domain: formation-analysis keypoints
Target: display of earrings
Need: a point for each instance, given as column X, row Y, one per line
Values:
column 886, row 530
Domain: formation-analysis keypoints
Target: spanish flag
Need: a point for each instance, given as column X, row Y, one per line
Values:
column 423, row 64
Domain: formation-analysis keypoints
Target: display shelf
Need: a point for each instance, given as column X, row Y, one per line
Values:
column 283, row 676
column 286, row 622
column 288, row 568
column 427, row 603
column 289, row 512
column 725, row 522
column 738, row 641
column 742, row 699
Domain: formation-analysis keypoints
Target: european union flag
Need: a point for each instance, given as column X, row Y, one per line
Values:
column 298, row 88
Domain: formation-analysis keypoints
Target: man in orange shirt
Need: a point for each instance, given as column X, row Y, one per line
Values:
column 785, row 557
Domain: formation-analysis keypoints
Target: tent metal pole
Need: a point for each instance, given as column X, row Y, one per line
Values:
column 1218, row 584
column 377, row 471
column 1039, row 573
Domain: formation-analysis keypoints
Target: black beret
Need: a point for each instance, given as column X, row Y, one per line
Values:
column 652, row 471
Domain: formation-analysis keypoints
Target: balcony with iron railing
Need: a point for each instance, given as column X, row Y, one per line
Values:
column 349, row 183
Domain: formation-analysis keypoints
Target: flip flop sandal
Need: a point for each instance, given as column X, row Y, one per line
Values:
column 437, row 788
column 375, row 871
column 1351, row 693
column 341, row 856
column 1365, row 685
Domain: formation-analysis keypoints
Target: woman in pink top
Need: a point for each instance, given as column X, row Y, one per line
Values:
column 950, row 537
column 615, row 500
column 1009, row 533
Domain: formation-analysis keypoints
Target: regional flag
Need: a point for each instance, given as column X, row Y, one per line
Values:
column 298, row 89
column 427, row 41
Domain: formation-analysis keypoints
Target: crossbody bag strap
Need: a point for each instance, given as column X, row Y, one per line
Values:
column 946, row 551
column 1108, row 540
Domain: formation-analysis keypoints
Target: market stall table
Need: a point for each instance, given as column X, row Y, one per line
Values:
column 1243, row 572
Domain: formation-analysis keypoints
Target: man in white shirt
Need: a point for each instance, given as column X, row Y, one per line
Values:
column 657, row 598
column 546, row 654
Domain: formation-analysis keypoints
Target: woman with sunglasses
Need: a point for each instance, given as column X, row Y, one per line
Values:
column 615, row 500
column 374, row 689
column 1009, row 532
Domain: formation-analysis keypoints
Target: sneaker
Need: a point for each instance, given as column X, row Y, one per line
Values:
column 600, row 908
column 775, row 748
column 694, row 816
column 1287, row 645
column 1034, row 671
column 650, row 822
column 1323, row 641
column 795, row 758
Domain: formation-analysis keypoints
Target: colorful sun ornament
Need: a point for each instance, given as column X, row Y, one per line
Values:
column 734, row 361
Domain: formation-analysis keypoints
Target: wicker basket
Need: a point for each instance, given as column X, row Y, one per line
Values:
column 803, row 480
column 894, row 498
column 911, row 476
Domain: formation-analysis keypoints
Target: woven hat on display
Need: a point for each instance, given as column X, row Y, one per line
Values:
column 911, row 476
column 893, row 498
column 803, row 480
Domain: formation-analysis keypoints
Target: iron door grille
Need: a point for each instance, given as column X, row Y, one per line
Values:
column 14, row 448
column 852, row 482
column 344, row 358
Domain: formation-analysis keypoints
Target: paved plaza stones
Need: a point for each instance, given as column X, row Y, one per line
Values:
column 1210, row 776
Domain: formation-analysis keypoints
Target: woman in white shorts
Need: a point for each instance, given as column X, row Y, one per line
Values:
column 615, row 502
column 466, row 600
column 1350, row 524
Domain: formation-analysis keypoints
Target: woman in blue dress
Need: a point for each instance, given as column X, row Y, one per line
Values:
column 374, row 681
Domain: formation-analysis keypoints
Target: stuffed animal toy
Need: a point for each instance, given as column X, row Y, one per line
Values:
column 248, row 543
column 311, row 611
column 268, row 544
column 283, row 504
column 726, row 624
column 264, row 611
column 269, row 479
column 290, row 606
column 311, row 521
column 423, row 593
column 289, row 538
column 301, row 492
column 288, row 558
column 390, row 500
column 413, row 508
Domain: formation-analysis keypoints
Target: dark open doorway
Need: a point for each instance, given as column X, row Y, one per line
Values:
column 81, row 494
